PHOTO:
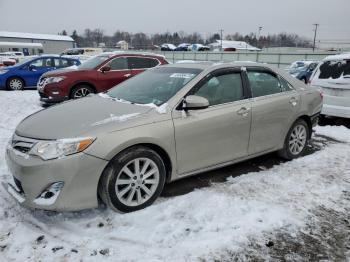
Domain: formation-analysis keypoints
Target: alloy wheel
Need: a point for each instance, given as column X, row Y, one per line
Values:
column 137, row 182
column 297, row 139
column 81, row 92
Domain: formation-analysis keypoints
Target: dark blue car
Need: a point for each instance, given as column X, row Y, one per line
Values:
column 28, row 72
column 302, row 70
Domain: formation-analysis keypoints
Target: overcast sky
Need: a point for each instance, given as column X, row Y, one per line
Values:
column 205, row 17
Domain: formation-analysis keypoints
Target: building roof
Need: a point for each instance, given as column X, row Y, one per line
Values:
column 36, row 36
column 21, row 44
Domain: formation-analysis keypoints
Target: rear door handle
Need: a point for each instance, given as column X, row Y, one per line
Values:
column 127, row 75
column 243, row 111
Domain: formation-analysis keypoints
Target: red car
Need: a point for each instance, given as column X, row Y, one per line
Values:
column 95, row 75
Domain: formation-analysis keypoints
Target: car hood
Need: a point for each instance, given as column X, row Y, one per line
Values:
column 9, row 67
column 88, row 116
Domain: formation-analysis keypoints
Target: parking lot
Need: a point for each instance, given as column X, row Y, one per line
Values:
column 261, row 209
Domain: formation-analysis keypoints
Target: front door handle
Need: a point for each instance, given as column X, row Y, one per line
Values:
column 293, row 101
column 243, row 111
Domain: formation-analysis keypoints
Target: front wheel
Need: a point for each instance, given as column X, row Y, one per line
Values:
column 296, row 140
column 15, row 83
column 81, row 91
column 133, row 180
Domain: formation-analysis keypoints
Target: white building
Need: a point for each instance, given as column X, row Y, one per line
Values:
column 123, row 45
column 51, row 44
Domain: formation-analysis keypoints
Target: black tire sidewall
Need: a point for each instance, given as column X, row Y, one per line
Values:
column 287, row 152
column 113, row 170
column 12, row 78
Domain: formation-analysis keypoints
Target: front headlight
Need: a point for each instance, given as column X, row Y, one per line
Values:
column 56, row 79
column 63, row 147
column 4, row 71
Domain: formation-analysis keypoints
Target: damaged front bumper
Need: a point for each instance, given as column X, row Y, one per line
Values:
column 65, row 184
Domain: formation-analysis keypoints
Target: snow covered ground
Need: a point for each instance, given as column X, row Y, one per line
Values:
column 296, row 210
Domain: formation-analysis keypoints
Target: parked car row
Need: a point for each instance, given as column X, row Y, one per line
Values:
column 184, row 47
column 167, row 123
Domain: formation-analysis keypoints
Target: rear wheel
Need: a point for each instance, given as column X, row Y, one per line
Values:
column 15, row 83
column 296, row 140
column 81, row 91
column 133, row 180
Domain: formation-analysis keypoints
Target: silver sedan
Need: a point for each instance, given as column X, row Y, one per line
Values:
column 167, row 123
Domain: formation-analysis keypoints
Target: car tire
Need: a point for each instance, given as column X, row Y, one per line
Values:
column 296, row 140
column 15, row 83
column 81, row 91
column 126, row 186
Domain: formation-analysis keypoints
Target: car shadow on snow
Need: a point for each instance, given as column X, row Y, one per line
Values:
column 257, row 164
column 334, row 121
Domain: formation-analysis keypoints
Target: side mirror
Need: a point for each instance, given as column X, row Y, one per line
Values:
column 193, row 102
column 32, row 68
column 105, row 69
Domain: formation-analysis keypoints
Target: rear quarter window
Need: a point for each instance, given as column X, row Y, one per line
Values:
column 334, row 69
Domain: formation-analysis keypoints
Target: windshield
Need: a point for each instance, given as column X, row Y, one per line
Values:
column 155, row 86
column 93, row 62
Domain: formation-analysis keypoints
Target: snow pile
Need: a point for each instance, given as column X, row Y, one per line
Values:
column 160, row 109
column 201, row 225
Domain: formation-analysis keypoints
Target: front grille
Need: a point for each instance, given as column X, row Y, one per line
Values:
column 22, row 149
column 42, row 81
column 18, row 184
column 22, row 144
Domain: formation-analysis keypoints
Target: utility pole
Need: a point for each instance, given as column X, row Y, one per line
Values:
column 221, row 32
column 316, row 26
column 258, row 37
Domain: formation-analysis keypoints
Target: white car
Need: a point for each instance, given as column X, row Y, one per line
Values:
column 332, row 78
column 17, row 56
column 167, row 47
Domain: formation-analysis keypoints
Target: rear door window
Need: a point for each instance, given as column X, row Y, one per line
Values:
column 142, row 62
column 264, row 83
column 334, row 69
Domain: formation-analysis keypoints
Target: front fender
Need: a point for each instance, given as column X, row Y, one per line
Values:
column 160, row 134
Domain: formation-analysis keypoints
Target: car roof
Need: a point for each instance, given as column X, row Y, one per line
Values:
column 345, row 56
column 115, row 53
column 217, row 65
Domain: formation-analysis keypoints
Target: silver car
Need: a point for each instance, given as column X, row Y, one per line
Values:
column 162, row 125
